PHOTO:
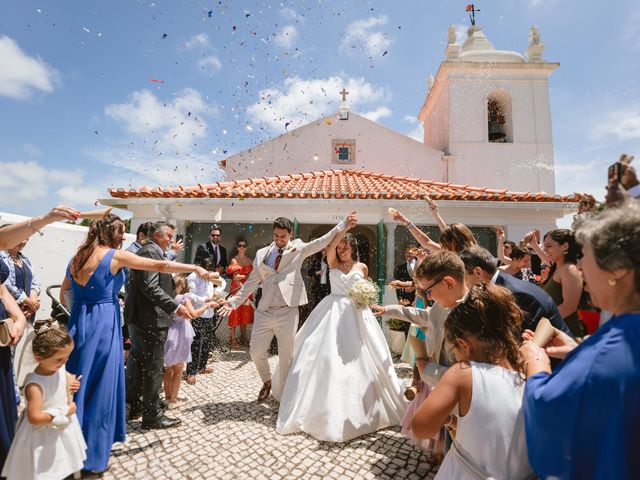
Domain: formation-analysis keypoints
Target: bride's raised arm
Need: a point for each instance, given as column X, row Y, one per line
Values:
column 332, row 259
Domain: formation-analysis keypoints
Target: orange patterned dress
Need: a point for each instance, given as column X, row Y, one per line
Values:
column 243, row 315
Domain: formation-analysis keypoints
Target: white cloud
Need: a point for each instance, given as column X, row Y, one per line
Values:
column 31, row 150
column 291, row 15
column 417, row 132
column 622, row 124
column 29, row 182
column 285, row 37
column 461, row 32
column 21, row 75
column 167, row 139
column 200, row 40
column 210, row 63
column 365, row 34
column 377, row 114
column 300, row 101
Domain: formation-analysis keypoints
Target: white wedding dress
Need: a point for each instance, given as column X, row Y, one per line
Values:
column 342, row 383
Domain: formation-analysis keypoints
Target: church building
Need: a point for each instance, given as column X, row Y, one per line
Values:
column 486, row 159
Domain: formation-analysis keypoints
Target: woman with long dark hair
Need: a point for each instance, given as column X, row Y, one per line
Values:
column 95, row 276
column 564, row 282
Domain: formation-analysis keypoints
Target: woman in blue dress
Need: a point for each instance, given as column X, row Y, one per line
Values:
column 582, row 420
column 95, row 276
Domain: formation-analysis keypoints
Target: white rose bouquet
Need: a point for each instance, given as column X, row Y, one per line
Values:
column 363, row 293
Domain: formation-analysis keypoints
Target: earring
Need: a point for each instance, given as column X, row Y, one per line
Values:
column 612, row 282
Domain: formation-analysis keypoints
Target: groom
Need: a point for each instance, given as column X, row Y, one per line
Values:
column 276, row 269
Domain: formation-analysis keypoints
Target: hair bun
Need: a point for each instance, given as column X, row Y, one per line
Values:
column 41, row 326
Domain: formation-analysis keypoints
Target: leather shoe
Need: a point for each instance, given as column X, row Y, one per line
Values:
column 161, row 421
column 134, row 415
column 264, row 391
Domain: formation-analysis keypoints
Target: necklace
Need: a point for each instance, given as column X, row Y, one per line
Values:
column 345, row 268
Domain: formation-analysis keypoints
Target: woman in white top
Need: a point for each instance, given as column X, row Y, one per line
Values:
column 480, row 397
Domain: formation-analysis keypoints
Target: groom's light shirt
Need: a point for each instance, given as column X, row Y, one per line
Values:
column 278, row 300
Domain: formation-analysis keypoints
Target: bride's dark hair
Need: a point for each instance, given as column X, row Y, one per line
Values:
column 353, row 243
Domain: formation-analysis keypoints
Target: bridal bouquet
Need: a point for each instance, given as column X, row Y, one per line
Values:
column 363, row 293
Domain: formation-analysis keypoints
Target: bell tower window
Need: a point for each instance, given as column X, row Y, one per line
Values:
column 499, row 113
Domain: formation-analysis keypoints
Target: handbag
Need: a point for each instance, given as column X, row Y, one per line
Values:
column 6, row 328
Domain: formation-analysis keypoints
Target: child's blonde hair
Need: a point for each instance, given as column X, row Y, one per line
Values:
column 180, row 284
column 50, row 337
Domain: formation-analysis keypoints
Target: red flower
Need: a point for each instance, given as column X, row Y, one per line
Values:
column 470, row 7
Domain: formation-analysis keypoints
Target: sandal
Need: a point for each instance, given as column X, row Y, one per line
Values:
column 191, row 379
column 264, row 391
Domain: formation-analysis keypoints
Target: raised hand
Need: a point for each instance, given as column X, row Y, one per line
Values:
column 432, row 205
column 352, row 220
column 399, row 217
column 178, row 246
column 62, row 212
column 500, row 232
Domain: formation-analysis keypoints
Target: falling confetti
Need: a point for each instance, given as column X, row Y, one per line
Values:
column 155, row 80
column 164, row 35
column 328, row 121
column 210, row 13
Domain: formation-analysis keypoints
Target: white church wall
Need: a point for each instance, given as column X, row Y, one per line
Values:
column 309, row 148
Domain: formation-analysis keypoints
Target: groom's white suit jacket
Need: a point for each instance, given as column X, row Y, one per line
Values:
column 287, row 278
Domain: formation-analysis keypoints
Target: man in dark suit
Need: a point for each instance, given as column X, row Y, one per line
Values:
column 480, row 266
column 318, row 274
column 212, row 249
column 149, row 307
column 404, row 273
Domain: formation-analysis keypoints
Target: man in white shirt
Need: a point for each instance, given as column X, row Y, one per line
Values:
column 203, row 326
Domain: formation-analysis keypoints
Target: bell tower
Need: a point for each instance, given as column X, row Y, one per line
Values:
column 488, row 111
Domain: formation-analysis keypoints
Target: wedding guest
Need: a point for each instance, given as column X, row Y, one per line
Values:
column 480, row 266
column 239, row 269
column 582, row 420
column 564, row 282
column 22, row 281
column 404, row 273
column 48, row 441
column 320, row 283
column 454, row 237
column 95, row 275
column 204, row 290
column 484, row 389
column 10, row 236
column 175, row 245
column 177, row 348
column 212, row 249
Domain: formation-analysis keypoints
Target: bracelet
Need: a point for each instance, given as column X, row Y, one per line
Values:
column 34, row 228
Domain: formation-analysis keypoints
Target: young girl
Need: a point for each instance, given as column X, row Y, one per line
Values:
column 48, row 442
column 484, row 390
column 177, row 348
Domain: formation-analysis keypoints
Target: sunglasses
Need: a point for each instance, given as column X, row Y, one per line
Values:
column 427, row 291
column 214, row 235
column 242, row 245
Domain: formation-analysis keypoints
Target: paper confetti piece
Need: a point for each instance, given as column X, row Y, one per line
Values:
column 328, row 121
column 155, row 80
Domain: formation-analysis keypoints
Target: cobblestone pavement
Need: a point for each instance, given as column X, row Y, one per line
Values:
column 226, row 434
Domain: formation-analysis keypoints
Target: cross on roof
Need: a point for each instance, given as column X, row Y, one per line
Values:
column 344, row 94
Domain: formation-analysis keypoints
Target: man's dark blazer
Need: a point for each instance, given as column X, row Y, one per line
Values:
column 402, row 273
column 534, row 301
column 317, row 289
column 150, row 302
column 206, row 251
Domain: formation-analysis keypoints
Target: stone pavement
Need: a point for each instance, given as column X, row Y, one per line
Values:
column 226, row 434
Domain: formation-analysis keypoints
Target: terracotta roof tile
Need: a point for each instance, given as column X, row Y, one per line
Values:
column 341, row 184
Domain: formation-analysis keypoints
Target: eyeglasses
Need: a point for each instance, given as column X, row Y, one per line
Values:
column 427, row 291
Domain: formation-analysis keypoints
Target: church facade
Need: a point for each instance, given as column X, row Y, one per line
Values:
column 486, row 159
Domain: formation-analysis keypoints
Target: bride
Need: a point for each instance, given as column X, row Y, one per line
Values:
column 342, row 383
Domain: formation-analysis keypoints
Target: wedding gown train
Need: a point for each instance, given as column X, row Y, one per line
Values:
column 342, row 383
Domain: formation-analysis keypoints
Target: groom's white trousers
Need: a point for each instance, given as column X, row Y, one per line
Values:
column 281, row 322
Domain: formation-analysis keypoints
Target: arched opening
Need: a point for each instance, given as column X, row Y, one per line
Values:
column 499, row 113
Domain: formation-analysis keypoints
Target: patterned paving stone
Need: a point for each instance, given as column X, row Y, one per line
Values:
column 226, row 434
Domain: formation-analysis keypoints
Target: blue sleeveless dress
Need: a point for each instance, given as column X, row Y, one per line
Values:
column 8, row 407
column 95, row 326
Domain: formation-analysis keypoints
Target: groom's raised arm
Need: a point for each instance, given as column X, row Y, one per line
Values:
column 314, row 246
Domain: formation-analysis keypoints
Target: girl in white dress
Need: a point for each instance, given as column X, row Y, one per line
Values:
column 342, row 383
column 484, row 389
column 48, row 443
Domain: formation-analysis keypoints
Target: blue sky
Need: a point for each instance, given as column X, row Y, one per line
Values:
column 116, row 93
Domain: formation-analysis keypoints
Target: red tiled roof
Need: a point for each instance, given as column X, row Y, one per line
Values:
column 338, row 184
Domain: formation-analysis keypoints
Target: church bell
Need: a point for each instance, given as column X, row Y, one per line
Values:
column 496, row 131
